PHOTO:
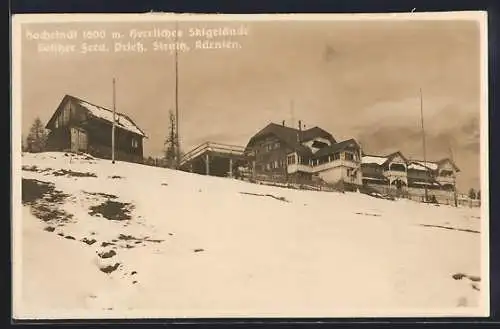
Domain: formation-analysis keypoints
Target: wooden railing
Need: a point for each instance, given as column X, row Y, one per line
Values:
column 212, row 147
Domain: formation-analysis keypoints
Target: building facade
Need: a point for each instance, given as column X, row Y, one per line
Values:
column 300, row 155
column 415, row 179
column 297, row 155
column 80, row 126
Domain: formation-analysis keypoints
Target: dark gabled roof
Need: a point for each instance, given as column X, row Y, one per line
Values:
column 122, row 121
column 393, row 154
column 440, row 162
column 293, row 137
column 337, row 147
column 316, row 132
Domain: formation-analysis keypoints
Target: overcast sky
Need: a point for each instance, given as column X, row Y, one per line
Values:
column 355, row 79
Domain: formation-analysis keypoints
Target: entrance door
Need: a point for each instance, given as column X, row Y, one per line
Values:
column 78, row 140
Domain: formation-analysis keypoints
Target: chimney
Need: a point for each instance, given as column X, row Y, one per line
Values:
column 299, row 135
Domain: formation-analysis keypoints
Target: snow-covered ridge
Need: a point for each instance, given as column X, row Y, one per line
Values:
column 148, row 241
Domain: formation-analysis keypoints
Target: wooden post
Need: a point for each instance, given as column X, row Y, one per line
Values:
column 114, row 125
column 231, row 167
column 253, row 169
column 207, row 164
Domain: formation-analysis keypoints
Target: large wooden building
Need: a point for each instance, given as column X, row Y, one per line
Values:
column 394, row 173
column 80, row 126
column 297, row 155
column 279, row 153
column 301, row 155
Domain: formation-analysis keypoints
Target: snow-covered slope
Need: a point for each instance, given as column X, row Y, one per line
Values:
column 127, row 240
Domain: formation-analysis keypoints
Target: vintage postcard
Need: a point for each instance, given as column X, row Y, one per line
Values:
column 215, row 166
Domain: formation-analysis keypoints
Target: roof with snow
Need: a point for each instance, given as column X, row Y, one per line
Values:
column 122, row 121
column 421, row 165
column 379, row 160
column 412, row 164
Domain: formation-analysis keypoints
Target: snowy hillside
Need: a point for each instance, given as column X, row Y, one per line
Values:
column 104, row 240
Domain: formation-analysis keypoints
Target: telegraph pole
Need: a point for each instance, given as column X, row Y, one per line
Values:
column 423, row 139
column 454, row 178
column 177, row 141
column 114, row 125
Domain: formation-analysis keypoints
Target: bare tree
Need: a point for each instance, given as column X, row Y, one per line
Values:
column 37, row 137
column 171, row 143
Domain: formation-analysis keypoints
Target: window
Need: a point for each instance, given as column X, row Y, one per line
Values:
column 277, row 145
column 446, row 173
column 319, row 145
column 291, row 159
column 336, row 156
column 135, row 143
column 349, row 156
column 397, row 167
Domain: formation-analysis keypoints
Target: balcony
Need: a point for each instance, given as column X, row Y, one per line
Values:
column 292, row 168
column 445, row 179
column 396, row 173
column 334, row 164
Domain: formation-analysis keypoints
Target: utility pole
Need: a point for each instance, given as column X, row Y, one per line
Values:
column 423, row 141
column 292, row 117
column 454, row 178
column 177, row 141
column 114, row 125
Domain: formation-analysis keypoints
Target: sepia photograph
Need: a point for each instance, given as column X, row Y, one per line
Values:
column 250, row 166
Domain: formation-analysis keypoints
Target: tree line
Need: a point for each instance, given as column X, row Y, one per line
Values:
column 36, row 141
column 474, row 195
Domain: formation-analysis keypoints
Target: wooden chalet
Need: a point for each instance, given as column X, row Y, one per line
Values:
column 80, row 126
column 282, row 154
column 298, row 155
column 396, row 173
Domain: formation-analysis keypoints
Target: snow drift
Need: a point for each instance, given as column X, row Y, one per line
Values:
column 128, row 240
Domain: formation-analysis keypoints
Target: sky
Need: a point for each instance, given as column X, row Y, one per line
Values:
column 355, row 79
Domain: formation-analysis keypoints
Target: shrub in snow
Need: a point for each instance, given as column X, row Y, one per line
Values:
column 106, row 265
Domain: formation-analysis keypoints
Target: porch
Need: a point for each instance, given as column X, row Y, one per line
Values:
column 215, row 159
